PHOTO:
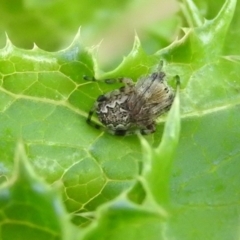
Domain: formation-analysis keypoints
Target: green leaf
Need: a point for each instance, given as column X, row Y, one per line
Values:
column 29, row 208
column 122, row 219
column 44, row 100
column 204, row 176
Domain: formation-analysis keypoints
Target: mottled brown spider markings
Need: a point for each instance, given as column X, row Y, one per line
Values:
column 134, row 107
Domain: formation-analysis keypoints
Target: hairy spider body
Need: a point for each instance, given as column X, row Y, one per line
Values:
column 134, row 107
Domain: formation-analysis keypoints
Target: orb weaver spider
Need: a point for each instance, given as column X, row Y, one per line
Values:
column 135, row 106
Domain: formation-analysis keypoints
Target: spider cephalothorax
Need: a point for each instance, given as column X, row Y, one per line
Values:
column 134, row 107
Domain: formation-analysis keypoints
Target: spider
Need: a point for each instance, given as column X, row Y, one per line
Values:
column 134, row 107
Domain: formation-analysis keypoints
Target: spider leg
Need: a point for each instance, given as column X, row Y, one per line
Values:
column 160, row 66
column 93, row 124
column 89, row 119
column 89, row 78
column 118, row 132
column 126, row 81
column 129, row 84
column 91, row 112
column 178, row 82
column 149, row 129
column 121, row 132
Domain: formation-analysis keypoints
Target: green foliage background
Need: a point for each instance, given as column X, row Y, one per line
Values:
column 70, row 181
